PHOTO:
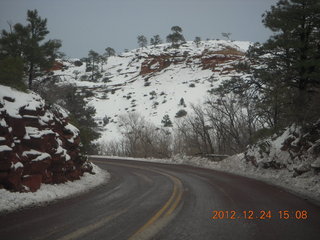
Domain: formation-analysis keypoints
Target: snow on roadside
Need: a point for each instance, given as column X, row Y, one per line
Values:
column 306, row 184
column 10, row 201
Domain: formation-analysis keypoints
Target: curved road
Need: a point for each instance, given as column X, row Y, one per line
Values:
column 157, row 201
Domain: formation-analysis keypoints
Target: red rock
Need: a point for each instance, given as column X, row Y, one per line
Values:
column 13, row 182
column 33, row 182
column 5, row 165
column 37, row 167
column 58, row 167
column 57, row 158
column 18, row 127
column 47, row 177
column 37, row 112
column 74, row 175
column 87, row 167
column 33, row 143
column 52, row 170
column 73, row 154
column 59, row 177
column 31, row 121
column 3, row 176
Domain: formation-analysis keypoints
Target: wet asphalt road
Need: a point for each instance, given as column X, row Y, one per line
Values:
column 157, row 201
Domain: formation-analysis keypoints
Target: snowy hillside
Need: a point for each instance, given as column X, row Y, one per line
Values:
column 153, row 80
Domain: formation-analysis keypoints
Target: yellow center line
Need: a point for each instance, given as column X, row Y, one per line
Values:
column 172, row 201
column 179, row 186
column 168, row 208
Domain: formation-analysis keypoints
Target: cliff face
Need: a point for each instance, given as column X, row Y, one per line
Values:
column 217, row 60
column 37, row 143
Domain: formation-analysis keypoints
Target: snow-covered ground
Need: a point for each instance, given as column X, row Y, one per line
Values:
column 10, row 201
column 305, row 184
column 122, row 87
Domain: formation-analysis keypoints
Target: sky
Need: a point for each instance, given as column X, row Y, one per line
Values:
column 97, row 24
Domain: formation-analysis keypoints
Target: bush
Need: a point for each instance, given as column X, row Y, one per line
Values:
column 78, row 63
column 181, row 113
column 84, row 78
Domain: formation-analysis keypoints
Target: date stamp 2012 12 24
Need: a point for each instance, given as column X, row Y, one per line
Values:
column 261, row 214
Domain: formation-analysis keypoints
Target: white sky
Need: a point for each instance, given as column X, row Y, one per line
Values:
column 96, row 24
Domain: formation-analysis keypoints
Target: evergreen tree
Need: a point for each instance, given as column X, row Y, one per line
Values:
column 182, row 103
column 295, row 50
column 176, row 38
column 82, row 118
column 109, row 52
column 142, row 41
column 155, row 40
column 226, row 35
column 11, row 72
column 92, row 65
column 166, row 121
column 284, row 73
column 27, row 43
column 197, row 41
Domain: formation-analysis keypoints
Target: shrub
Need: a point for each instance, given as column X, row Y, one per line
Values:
column 84, row 78
column 78, row 63
column 181, row 113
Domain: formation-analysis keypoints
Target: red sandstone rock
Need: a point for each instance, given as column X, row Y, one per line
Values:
column 30, row 136
column 33, row 182
column 18, row 127
column 47, row 176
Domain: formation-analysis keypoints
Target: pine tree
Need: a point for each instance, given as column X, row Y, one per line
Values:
column 93, row 61
column 226, row 35
column 11, row 72
column 197, row 41
column 295, row 50
column 176, row 38
column 166, row 121
column 182, row 103
column 109, row 52
column 142, row 41
column 27, row 42
column 155, row 40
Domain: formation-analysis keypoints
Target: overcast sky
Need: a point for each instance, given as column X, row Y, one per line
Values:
column 96, row 24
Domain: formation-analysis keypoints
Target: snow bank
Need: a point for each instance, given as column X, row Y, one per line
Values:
column 10, row 201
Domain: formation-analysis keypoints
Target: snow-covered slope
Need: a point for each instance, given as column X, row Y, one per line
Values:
column 296, row 149
column 152, row 80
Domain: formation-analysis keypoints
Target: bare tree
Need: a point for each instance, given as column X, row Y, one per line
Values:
column 143, row 139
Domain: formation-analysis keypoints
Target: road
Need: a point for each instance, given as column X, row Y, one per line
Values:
column 157, row 201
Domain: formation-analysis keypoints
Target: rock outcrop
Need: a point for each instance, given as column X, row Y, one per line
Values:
column 37, row 143
column 296, row 149
column 208, row 59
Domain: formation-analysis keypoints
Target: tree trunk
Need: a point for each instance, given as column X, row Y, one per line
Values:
column 30, row 75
